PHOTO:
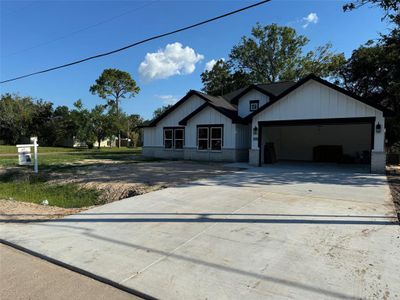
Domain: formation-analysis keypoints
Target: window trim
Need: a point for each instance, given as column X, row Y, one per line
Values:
column 173, row 140
column 254, row 102
column 209, row 127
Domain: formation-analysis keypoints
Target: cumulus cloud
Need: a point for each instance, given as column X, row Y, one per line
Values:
column 168, row 99
column 174, row 59
column 210, row 64
column 312, row 18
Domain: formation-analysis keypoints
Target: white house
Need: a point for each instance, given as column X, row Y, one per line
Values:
column 308, row 120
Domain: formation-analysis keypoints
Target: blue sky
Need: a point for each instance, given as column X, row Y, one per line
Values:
column 41, row 34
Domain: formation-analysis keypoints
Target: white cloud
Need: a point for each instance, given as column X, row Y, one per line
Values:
column 211, row 63
column 311, row 18
column 168, row 99
column 174, row 59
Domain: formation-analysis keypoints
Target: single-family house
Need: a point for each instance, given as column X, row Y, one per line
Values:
column 308, row 120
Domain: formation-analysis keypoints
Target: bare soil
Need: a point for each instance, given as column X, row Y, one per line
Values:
column 16, row 210
column 115, row 181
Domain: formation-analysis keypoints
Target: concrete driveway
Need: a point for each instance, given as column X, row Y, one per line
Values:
column 279, row 232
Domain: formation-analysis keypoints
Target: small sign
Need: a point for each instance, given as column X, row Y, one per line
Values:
column 24, row 156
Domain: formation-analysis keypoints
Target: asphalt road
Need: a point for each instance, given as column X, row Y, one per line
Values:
column 23, row 276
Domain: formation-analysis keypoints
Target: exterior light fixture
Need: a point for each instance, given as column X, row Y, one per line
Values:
column 378, row 128
column 255, row 130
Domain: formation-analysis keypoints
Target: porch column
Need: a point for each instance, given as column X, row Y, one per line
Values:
column 378, row 155
column 254, row 151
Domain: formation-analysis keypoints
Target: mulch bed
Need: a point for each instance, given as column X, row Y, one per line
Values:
column 393, row 176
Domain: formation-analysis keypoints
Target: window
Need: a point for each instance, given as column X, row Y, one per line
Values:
column 174, row 138
column 168, row 138
column 202, row 136
column 254, row 104
column 209, row 137
column 216, row 138
column 179, row 138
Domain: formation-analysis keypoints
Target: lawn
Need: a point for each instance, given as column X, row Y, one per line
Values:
column 50, row 156
column 19, row 183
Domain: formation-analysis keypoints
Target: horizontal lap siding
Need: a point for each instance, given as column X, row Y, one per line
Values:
column 209, row 116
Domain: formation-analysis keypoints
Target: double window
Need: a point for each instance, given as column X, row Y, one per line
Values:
column 210, row 137
column 174, row 138
column 254, row 104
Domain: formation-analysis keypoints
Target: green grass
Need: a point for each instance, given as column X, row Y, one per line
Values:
column 34, row 189
column 57, row 159
column 9, row 149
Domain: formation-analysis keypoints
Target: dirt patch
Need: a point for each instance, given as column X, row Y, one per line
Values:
column 114, row 180
column 117, row 181
column 393, row 176
column 29, row 212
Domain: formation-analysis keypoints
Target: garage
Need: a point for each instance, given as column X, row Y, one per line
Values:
column 347, row 141
column 317, row 121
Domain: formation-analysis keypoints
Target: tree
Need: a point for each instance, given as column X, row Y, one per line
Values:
column 133, row 130
column 373, row 71
column 221, row 79
column 275, row 53
column 271, row 54
column 82, row 119
column 101, row 124
column 114, row 85
column 159, row 111
column 391, row 7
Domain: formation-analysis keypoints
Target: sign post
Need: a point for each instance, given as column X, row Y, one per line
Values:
column 24, row 154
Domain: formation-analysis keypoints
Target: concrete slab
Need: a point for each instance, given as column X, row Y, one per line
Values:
column 278, row 232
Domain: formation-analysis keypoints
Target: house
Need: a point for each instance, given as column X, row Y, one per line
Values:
column 308, row 120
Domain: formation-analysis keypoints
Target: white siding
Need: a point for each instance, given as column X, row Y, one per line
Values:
column 205, row 117
column 317, row 101
column 153, row 136
column 243, row 136
column 244, row 101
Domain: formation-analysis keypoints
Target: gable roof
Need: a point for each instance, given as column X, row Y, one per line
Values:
column 272, row 90
column 302, row 81
column 216, row 102
column 231, row 114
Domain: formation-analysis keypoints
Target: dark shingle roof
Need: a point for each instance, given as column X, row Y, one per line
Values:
column 276, row 88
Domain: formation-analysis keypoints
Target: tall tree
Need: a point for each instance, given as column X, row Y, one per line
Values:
column 114, row 85
column 272, row 53
column 275, row 53
column 373, row 71
column 221, row 79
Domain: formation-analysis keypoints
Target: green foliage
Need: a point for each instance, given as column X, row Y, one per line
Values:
column 272, row 53
column 373, row 71
column 159, row 111
column 221, row 79
column 113, row 85
column 391, row 7
column 23, row 117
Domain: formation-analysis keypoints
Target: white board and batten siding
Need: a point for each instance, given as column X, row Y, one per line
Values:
column 244, row 102
column 154, row 136
column 317, row 101
column 210, row 116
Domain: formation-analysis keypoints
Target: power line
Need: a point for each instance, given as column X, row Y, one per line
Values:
column 138, row 43
column 81, row 30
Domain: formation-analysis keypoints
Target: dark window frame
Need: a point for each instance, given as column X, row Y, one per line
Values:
column 209, row 138
column 174, row 139
column 254, row 102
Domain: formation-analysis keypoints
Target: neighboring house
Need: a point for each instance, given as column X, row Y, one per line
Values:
column 308, row 120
